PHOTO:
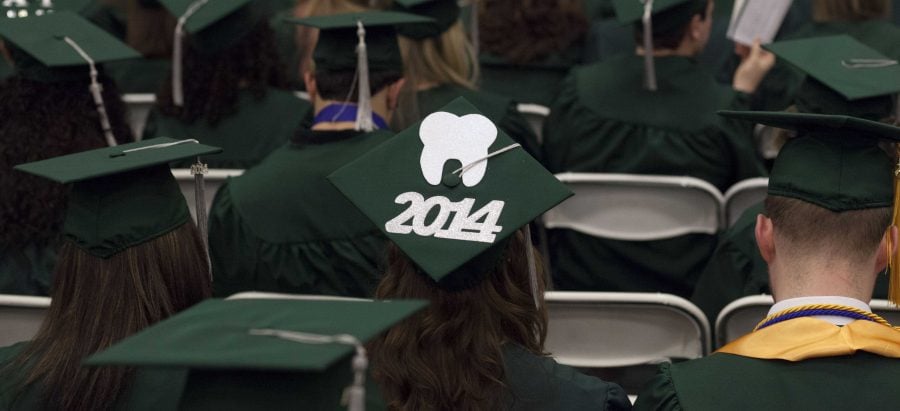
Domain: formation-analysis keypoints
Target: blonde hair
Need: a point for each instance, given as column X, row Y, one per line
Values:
column 447, row 59
column 850, row 10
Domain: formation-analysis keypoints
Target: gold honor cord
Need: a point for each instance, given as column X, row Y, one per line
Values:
column 826, row 307
column 894, row 257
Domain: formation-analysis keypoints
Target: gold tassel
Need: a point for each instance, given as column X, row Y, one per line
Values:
column 894, row 257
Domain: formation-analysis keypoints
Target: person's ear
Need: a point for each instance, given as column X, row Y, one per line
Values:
column 765, row 238
column 309, row 79
column 886, row 249
column 696, row 28
column 393, row 95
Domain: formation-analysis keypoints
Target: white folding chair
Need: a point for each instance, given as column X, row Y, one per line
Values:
column 742, row 315
column 213, row 180
column 743, row 195
column 259, row 295
column 21, row 317
column 139, row 106
column 637, row 207
column 616, row 329
column 536, row 115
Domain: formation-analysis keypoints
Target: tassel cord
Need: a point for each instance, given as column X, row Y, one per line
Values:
column 178, row 51
column 649, row 66
column 364, row 104
column 96, row 92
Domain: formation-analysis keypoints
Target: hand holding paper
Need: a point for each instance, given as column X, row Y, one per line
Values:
column 754, row 66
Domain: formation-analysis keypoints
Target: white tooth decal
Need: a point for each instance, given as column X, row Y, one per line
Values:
column 447, row 136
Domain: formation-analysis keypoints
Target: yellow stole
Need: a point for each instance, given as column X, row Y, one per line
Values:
column 804, row 338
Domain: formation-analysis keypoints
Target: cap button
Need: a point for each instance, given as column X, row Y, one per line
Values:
column 450, row 180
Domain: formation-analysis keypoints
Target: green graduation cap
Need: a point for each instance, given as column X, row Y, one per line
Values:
column 12, row 9
column 264, row 353
column 845, row 76
column 339, row 38
column 444, row 12
column 667, row 14
column 218, row 24
column 41, row 52
column 121, row 196
column 450, row 191
column 835, row 161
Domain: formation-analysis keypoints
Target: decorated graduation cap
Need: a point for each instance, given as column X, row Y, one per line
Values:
column 214, row 25
column 444, row 12
column 658, row 15
column 844, row 76
column 836, row 163
column 121, row 196
column 12, row 9
column 450, row 191
column 264, row 353
column 359, row 42
column 63, row 46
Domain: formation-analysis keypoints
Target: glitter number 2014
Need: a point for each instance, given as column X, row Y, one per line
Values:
column 463, row 226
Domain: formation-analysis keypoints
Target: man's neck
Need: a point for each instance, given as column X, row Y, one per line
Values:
column 823, row 279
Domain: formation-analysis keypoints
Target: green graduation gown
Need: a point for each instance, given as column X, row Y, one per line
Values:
column 803, row 363
column 255, row 130
column 736, row 269
column 862, row 381
column 501, row 110
column 605, row 121
column 283, row 227
column 150, row 390
column 535, row 83
column 27, row 270
column 138, row 75
column 540, row 383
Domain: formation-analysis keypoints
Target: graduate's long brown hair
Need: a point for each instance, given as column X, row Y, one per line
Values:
column 96, row 303
column 449, row 356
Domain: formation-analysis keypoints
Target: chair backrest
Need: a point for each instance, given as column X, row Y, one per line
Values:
column 743, row 195
column 615, row 329
column 742, row 315
column 213, row 180
column 259, row 295
column 21, row 317
column 637, row 207
column 536, row 115
column 139, row 106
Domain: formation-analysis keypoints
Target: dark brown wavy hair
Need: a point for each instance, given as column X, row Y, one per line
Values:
column 449, row 356
column 526, row 31
column 42, row 120
column 96, row 303
column 212, row 82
